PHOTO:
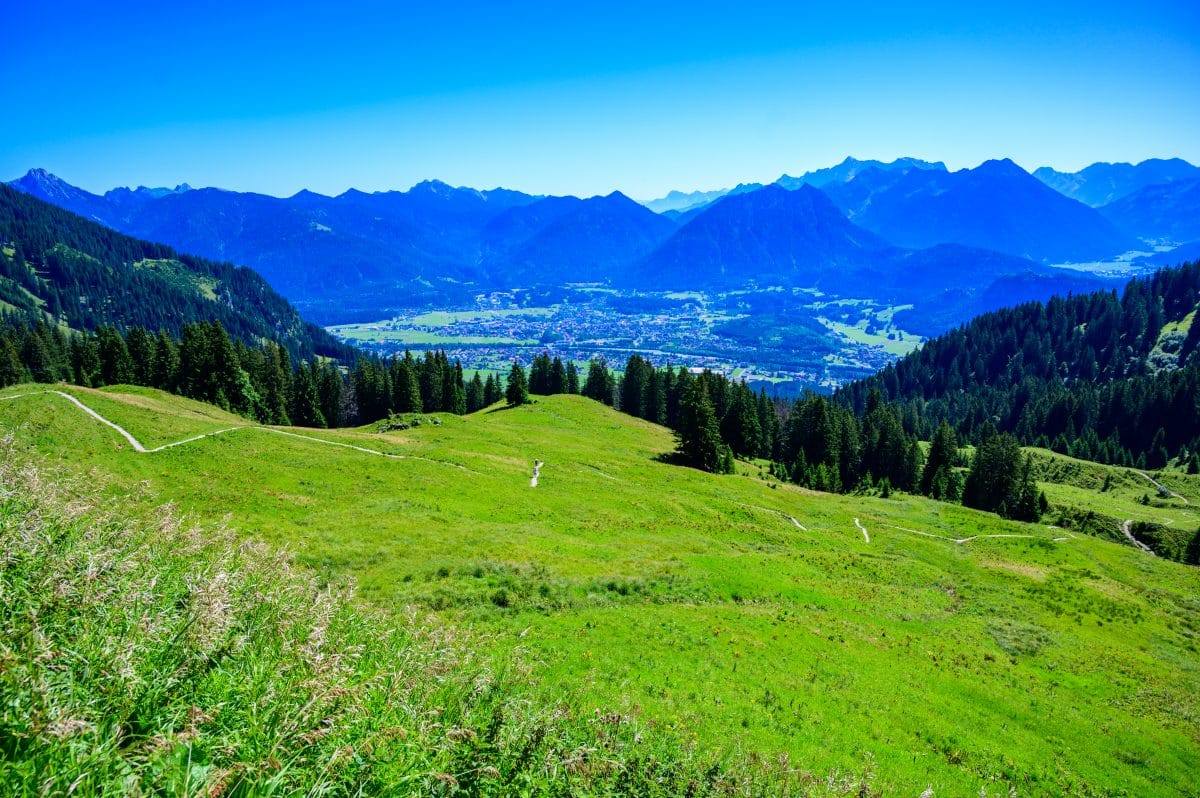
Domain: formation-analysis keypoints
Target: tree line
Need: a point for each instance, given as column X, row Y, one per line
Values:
column 1096, row 376
column 263, row 382
column 814, row 441
column 86, row 276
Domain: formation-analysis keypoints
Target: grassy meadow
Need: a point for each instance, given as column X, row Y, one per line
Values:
column 746, row 615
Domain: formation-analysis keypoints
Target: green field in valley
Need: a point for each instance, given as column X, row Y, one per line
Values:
column 924, row 644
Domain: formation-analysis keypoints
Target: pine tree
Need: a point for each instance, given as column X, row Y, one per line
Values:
column 699, row 435
column 166, row 362
column 116, row 367
column 740, row 428
column 517, row 392
column 329, row 394
column 475, row 393
column 558, row 377
column 572, row 377
column 274, row 381
column 539, row 375
column 12, row 370
column 305, row 408
column 406, row 386
column 599, row 383
column 943, row 452
column 430, row 376
column 491, row 391
column 633, row 386
column 85, row 361
column 141, row 352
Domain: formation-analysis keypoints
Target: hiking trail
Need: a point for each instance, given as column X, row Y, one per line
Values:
column 141, row 449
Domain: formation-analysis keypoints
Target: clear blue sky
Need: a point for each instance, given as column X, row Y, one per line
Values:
column 580, row 97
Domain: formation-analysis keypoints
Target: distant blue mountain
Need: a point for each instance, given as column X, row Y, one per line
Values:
column 1164, row 212
column 50, row 188
column 1103, row 183
column 996, row 206
column 903, row 232
column 573, row 240
column 685, row 216
column 799, row 238
column 678, row 201
column 850, row 168
column 771, row 236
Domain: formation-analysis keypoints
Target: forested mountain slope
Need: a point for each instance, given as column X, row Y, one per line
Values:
column 1101, row 376
column 79, row 273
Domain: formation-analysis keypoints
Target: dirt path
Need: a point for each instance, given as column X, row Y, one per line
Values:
column 961, row 541
column 796, row 523
column 138, row 447
column 862, row 529
column 1128, row 532
column 1160, row 486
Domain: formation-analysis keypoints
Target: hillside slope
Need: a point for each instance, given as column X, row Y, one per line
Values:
column 1118, row 378
column 81, row 273
column 1167, row 212
column 934, row 645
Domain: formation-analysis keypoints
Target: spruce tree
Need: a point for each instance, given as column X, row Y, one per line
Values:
column 329, row 394
column 116, row 367
column 85, row 361
column 12, row 370
column 491, row 391
column 475, row 393
column 517, row 392
column 166, row 362
column 558, row 377
column 274, row 383
column 141, row 351
column 305, row 408
column 699, row 435
column 943, row 452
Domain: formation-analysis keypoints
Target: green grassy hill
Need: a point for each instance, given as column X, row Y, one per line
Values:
column 952, row 650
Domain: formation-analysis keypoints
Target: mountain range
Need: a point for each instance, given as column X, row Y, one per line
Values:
column 909, row 229
column 1103, row 183
column 61, row 268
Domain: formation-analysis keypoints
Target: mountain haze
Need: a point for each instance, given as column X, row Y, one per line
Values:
column 996, row 206
column 1162, row 212
column 1103, row 183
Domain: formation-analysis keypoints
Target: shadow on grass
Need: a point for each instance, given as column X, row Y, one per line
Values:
column 672, row 458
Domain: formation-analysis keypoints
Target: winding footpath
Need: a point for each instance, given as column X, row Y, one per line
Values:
column 862, row 529
column 1160, row 486
column 961, row 541
column 1126, row 529
column 138, row 447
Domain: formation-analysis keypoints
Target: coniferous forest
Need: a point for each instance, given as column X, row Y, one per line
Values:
column 1096, row 376
column 65, row 269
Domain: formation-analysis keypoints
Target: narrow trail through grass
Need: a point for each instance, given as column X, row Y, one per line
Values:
column 1127, row 531
column 141, row 449
column 1160, row 486
column 862, row 529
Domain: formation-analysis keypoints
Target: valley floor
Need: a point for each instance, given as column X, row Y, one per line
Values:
column 931, row 645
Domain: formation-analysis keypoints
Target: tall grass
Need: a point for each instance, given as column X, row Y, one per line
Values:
column 171, row 659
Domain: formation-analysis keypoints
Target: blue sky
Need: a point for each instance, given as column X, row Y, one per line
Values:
column 580, row 97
